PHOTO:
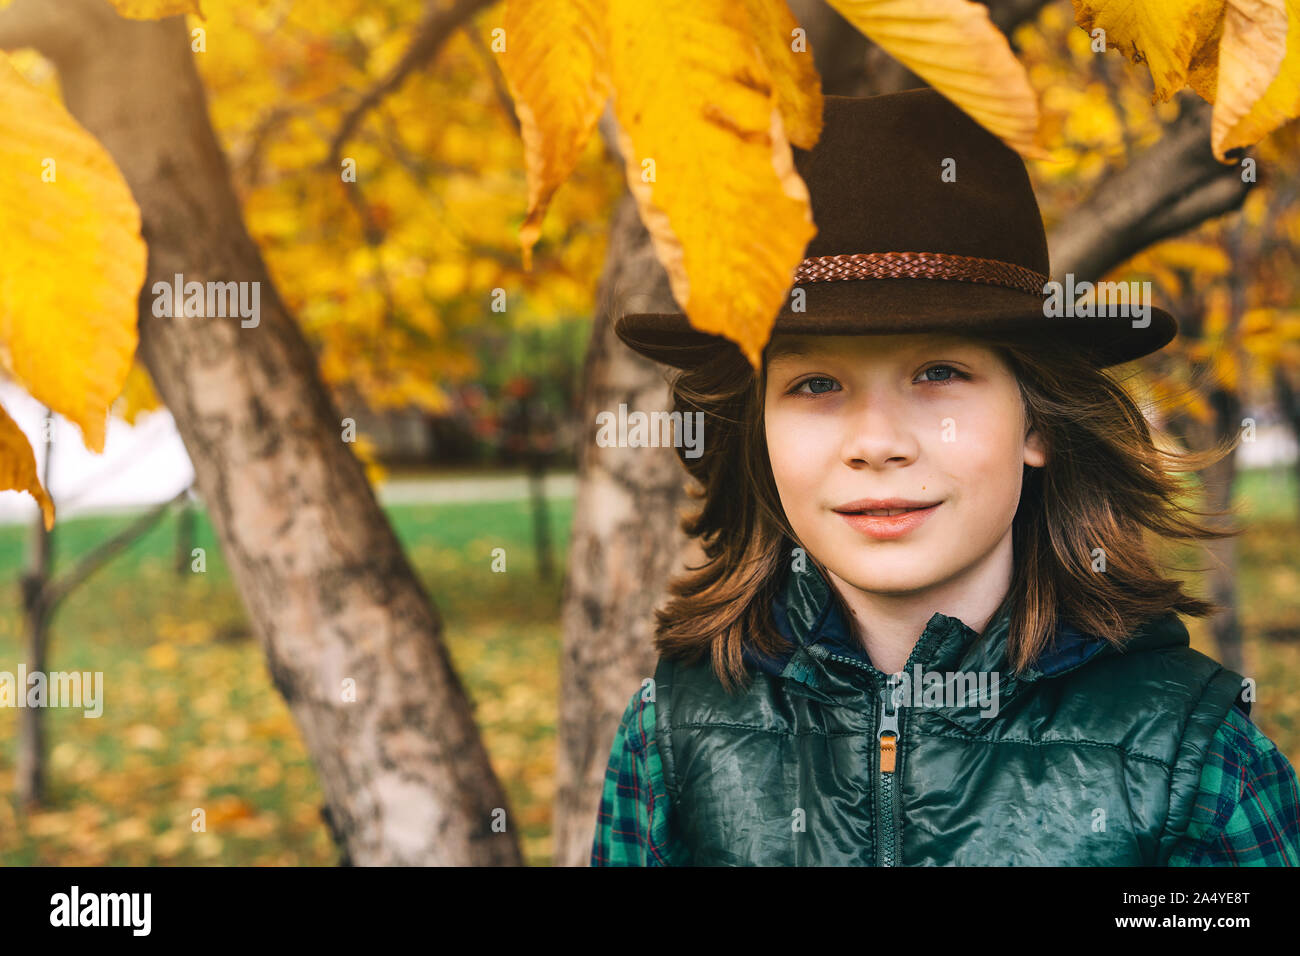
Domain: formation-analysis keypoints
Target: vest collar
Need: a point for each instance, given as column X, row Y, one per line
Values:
column 821, row 648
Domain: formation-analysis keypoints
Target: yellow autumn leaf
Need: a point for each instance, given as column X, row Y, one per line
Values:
column 1241, row 55
column 689, row 84
column 1168, row 35
column 1225, row 368
column 18, row 467
column 368, row 454
column 1196, row 406
column 1250, row 54
column 1280, row 102
column 555, row 67
column 71, row 260
column 1217, row 315
column 138, row 396
column 155, row 9
column 954, row 46
column 1204, row 258
column 1259, row 322
column 1288, row 327
column 795, row 82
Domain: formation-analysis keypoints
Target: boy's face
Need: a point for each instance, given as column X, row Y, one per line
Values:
column 929, row 418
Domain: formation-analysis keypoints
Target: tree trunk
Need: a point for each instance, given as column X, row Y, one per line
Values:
column 330, row 593
column 1218, row 481
column 541, row 515
column 1288, row 401
column 29, row 765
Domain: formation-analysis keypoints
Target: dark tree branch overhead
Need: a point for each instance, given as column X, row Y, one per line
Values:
column 1171, row 187
column 1009, row 14
column 437, row 27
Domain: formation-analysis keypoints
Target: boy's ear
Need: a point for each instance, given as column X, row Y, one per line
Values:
column 1035, row 449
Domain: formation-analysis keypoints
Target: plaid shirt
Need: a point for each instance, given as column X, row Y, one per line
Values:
column 1247, row 811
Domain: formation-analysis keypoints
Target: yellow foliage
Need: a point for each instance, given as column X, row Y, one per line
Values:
column 138, row 397
column 954, row 46
column 699, row 86
column 1226, row 368
column 71, row 265
column 155, row 9
column 694, row 217
column 555, row 64
column 365, row 451
column 1251, row 52
column 163, row 657
column 1241, row 55
column 796, row 87
column 18, row 466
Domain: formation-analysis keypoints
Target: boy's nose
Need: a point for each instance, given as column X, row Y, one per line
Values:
column 877, row 435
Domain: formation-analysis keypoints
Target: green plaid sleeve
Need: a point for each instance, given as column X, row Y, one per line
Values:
column 1247, row 812
column 632, row 826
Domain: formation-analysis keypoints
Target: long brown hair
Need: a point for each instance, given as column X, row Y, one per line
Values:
column 1106, row 484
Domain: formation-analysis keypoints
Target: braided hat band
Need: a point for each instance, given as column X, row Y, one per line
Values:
column 919, row 265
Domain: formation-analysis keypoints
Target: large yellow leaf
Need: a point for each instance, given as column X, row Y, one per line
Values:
column 1250, row 53
column 554, row 65
column 794, row 77
column 1165, row 34
column 18, row 466
column 71, row 259
column 954, row 46
column 1241, row 55
column 1279, row 104
column 727, row 212
column 155, row 9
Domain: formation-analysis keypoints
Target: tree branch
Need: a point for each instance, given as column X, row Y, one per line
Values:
column 92, row 561
column 434, row 30
column 1171, row 187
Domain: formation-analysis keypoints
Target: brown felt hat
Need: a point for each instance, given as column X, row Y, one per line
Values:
column 900, row 250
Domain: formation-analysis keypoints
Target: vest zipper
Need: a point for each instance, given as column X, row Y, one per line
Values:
column 889, row 733
column 889, row 849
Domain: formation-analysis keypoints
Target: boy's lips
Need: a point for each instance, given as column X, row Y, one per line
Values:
column 888, row 526
column 883, row 504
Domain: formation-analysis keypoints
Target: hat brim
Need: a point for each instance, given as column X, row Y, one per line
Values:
column 908, row 306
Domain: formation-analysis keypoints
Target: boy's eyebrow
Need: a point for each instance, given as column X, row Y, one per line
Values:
column 785, row 349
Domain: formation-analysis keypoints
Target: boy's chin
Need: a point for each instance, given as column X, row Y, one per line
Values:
column 887, row 579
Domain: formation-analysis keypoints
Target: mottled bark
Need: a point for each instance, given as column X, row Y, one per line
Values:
column 326, row 584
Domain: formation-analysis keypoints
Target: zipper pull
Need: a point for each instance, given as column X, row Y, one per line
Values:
column 889, row 726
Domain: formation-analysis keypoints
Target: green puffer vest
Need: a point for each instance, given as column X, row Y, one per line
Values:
column 1092, row 758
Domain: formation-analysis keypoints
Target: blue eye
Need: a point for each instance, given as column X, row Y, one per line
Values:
column 944, row 381
column 797, row 390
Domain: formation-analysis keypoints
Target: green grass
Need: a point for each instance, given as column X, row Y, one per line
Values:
column 191, row 719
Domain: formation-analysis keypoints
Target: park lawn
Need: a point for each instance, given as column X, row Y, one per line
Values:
column 192, row 719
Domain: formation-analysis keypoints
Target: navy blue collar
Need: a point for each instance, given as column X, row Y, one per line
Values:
column 805, row 615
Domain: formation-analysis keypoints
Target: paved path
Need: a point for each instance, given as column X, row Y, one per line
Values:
column 406, row 491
